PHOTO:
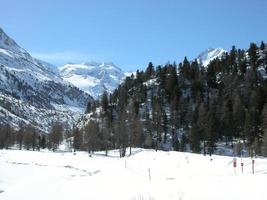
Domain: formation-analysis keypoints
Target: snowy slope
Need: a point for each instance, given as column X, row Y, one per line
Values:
column 28, row 84
column 93, row 78
column 210, row 54
column 173, row 176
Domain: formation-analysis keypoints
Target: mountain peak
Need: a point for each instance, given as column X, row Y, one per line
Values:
column 210, row 54
column 108, row 63
column 93, row 77
column 9, row 44
column 91, row 63
column 5, row 41
column 100, row 64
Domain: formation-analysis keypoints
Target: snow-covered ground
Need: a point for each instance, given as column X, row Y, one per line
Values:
column 174, row 175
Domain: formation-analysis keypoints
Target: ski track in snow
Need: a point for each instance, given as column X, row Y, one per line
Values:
column 83, row 171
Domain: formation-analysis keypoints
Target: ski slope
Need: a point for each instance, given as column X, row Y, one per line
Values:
column 173, row 175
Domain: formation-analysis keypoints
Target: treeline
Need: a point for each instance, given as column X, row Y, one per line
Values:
column 187, row 107
column 30, row 138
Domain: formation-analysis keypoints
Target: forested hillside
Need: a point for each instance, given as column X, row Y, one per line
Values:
column 187, row 107
column 183, row 107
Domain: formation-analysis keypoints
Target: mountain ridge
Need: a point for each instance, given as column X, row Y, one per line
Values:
column 31, row 90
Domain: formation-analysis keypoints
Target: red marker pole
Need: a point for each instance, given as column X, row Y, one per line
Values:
column 253, row 162
column 234, row 164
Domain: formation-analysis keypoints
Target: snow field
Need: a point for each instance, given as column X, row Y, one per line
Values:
column 174, row 175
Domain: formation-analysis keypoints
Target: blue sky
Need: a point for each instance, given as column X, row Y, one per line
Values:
column 131, row 33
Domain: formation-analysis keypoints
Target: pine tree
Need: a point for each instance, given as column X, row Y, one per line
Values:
column 165, row 126
column 249, row 131
column 174, row 122
column 228, row 123
column 262, row 47
column 56, row 135
column 29, row 137
column 157, row 117
column 172, row 83
column 195, row 137
column 183, row 143
column 77, row 139
column 91, row 132
column 264, row 145
column 239, row 117
column 20, row 134
column 212, row 126
column 104, row 102
column 2, row 137
column 43, row 143
column 34, row 138
column 121, row 134
column 88, row 107
column 130, row 124
column 253, row 56
column 264, row 125
column 212, row 73
column 185, row 69
column 7, row 136
column 122, row 99
column 148, row 127
column 242, row 67
column 150, row 71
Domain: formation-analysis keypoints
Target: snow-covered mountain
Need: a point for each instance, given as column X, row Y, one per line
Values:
column 210, row 54
column 94, row 78
column 32, row 91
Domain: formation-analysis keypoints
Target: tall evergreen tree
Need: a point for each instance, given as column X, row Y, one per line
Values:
column 77, row 139
column 91, row 132
column 56, row 135
column 195, row 137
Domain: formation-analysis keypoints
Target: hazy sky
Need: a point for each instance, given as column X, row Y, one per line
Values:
column 131, row 33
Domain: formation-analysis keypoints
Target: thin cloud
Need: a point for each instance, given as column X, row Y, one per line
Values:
column 61, row 57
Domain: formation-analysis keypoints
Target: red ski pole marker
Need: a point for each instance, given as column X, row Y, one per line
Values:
column 234, row 162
